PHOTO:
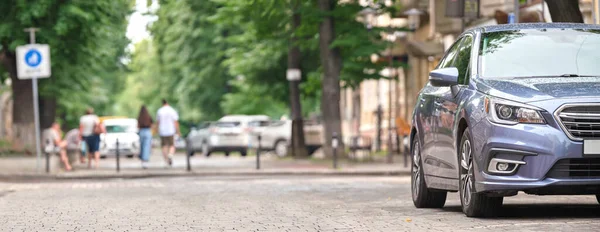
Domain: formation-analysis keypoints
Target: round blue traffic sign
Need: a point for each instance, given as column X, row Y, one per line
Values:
column 33, row 58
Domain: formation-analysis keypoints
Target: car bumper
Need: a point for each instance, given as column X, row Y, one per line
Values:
column 543, row 148
column 238, row 141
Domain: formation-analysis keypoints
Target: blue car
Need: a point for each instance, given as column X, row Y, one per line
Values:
column 510, row 108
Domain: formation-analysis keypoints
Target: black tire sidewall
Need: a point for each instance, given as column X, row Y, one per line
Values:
column 422, row 186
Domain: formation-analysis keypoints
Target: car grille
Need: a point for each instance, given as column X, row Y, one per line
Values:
column 576, row 168
column 581, row 122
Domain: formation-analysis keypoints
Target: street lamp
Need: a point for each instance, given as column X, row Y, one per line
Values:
column 414, row 18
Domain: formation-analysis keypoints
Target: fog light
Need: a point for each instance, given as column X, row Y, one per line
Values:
column 502, row 166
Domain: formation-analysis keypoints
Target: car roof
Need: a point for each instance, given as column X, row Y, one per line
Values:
column 521, row 26
column 232, row 118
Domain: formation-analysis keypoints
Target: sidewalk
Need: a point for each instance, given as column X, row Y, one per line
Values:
column 24, row 168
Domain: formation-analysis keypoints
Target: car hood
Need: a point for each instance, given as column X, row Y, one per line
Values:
column 540, row 89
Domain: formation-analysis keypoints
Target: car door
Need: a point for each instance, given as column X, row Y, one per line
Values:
column 446, row 106
column 429, row 117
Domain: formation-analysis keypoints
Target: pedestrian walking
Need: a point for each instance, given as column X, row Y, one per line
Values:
column 55, row 144
column 90, row 129
column 168, row 126
column 145, row 132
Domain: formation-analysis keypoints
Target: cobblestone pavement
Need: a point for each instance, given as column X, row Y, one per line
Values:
column 270, row 203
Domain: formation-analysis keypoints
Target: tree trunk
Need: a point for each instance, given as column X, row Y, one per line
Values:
column 47, row 111
column 565, row 11
column 298, row 143
column 331, row 61
column 23, row 125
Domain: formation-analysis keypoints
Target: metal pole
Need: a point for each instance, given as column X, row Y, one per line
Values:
column 258, row 154
column 189, row 154
column 118, row 158
column 47, row 162
column 36, row 117
column 334, row 145
column 390, row 152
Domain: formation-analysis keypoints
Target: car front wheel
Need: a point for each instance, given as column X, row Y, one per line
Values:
column 473, row 204
column 281, row 148
column 422, row 196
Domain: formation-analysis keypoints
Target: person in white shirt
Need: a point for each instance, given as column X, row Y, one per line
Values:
column 168, row 126
column 90, row 129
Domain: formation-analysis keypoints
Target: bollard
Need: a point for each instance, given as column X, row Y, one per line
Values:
column 189, row 154
column 334, row 145
column 118, row 158
column 47, row 162
column 258, row 153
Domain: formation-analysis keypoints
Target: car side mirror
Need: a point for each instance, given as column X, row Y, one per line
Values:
column 444, row 77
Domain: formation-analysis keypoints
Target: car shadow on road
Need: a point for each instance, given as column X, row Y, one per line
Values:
column 545, row 211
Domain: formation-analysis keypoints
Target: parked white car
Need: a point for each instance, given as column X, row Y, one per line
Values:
column 278, row 135
column 198, row 136
column 126, row 132
column 232, row 133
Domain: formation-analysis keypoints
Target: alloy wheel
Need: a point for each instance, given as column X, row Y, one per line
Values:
column 466, row 174
column 281, row 149
column 416, row 171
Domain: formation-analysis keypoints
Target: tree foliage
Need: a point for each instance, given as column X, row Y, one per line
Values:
column 87, row 40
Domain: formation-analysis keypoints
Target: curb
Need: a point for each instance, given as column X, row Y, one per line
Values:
column 102, row 176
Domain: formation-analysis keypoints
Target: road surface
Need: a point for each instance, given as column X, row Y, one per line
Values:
column 269, row 203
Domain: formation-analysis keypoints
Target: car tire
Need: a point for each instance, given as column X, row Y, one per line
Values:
column 422, row 196
column 244, row 153
column 130, row 156
column 205, row 149
column 281, row 148
column 226, row 154
column 473, row 204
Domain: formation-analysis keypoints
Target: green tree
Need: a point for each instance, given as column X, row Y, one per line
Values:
column 86, row 39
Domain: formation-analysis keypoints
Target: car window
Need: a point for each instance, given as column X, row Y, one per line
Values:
column 259, row 123
column 450, row 56
column 463, row 59
column 227, row 124
column 119, row 129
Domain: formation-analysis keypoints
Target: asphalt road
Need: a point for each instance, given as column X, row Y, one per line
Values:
column 288, row 203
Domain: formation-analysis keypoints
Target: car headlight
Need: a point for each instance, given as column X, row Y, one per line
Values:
column 507, row 112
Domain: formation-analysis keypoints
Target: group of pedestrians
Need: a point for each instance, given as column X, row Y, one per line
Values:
column 86, row 139
column 167, row 121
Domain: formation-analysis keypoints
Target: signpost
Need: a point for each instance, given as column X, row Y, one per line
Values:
column 33, row 62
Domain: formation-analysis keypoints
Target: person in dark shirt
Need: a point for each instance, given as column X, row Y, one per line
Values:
column 144, row 125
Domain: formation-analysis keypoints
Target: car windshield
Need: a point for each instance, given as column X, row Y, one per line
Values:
column 539, row 53
column 119, row 129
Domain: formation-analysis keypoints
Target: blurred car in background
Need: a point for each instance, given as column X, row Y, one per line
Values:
column 198, row 137
column 123, row 130
column 277, row 136
column 231, row 133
